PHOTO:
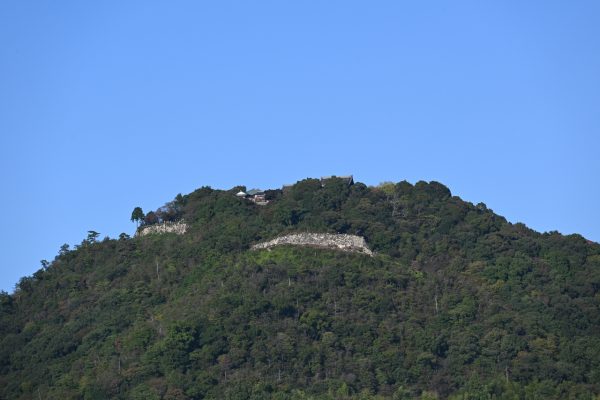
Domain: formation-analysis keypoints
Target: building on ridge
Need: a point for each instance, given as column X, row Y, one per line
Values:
column 256, row 196
column 349, row 179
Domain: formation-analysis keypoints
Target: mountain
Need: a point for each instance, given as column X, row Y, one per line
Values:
column 229, row 295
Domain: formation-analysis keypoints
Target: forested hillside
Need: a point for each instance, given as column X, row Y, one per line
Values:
column 455, row 303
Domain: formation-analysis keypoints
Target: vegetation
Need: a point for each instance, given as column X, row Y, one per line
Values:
column 137, row 215
column 457, row 303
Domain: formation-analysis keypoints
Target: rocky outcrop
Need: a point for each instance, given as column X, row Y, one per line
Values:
column 350, row 243
column 178, row 227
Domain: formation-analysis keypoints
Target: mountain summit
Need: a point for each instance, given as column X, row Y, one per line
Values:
column 326, row 289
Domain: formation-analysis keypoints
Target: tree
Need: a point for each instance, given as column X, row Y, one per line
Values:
column 64, row 249
column 150, row 218
column 92, row 236
column 137, row 215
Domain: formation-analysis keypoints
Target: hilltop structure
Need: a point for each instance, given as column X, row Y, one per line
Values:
column 349, row 179
column 256, row 196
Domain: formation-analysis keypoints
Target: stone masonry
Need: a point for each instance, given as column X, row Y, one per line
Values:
column 350, row 243
column 178, row 227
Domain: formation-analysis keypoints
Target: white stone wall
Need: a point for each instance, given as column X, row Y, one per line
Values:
column 342, row 242
column 178, row 227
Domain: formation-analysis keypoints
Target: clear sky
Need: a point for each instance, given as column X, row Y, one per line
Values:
column 108, row 105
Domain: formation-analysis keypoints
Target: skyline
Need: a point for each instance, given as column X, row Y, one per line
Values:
column 110, row 106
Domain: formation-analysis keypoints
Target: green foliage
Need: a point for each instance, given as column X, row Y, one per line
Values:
column 92, row 236
column 137, row 215
column 457, row 303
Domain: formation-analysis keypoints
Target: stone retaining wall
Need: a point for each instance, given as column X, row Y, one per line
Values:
column 351, row 243
column 178, row 227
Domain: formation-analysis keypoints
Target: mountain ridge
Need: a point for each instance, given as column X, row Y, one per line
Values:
column 456, row 303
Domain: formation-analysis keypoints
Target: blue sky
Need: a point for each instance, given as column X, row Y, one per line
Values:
column 105, row 106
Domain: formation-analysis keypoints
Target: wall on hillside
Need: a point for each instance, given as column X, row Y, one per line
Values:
column 178, row 227
column 351, row 243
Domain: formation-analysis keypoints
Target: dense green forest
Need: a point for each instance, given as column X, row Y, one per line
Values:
column 456, row 303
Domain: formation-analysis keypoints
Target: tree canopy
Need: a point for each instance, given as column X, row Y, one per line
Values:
column 137, row 215
column 456, row 303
